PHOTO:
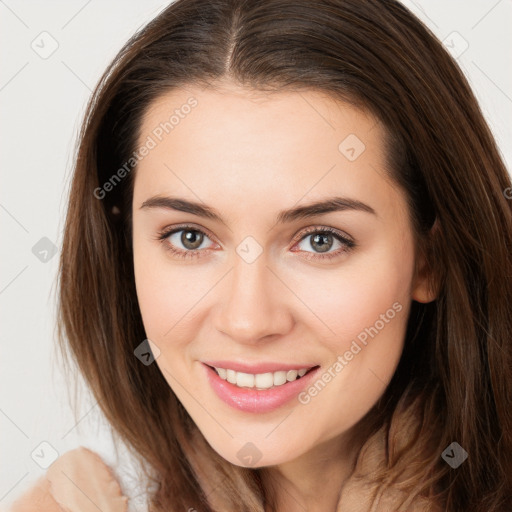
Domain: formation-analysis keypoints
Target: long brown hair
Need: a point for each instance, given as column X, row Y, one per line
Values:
column 457, row 358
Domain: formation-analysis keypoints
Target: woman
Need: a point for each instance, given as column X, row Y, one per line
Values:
column 247, row 369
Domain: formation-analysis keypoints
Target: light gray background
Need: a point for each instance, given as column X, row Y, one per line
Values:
column 42, row 101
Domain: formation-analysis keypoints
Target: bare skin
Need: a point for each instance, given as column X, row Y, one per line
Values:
column 248, row 156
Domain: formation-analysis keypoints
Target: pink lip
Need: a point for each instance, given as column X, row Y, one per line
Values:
column 257, row 368
column 252, row 399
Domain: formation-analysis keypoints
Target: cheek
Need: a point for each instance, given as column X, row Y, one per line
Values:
column 159, row 290
column 168, row 294
column 365, row 307
column 355, row 295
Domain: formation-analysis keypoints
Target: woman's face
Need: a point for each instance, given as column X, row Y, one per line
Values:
column 257, row 282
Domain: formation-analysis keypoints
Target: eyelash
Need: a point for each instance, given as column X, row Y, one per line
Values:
column 348, row 244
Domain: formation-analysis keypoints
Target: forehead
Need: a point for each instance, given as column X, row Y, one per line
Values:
column 240, row 115
column 250, row 146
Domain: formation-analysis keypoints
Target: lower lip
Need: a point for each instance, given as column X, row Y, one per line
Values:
column 255, row 400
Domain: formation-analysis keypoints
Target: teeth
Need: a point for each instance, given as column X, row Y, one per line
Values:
column 260, row 380
column 279, row 378
column 244, row 380
column 263, row 380
column 291, row 375
column 231, row 376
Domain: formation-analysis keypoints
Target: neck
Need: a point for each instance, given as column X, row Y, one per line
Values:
column 314, row 480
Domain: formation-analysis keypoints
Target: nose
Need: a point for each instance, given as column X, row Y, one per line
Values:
column 254, row 308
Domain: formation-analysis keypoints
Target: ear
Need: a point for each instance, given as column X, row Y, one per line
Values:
column 425, row 286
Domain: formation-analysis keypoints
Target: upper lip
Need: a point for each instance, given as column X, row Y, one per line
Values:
column 257, row 367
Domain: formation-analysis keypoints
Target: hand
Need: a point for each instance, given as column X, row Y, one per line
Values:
column 81, row 482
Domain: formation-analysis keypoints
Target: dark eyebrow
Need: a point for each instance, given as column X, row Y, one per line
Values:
column 331, row 204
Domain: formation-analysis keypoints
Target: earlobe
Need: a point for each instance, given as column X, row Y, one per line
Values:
column 425, row 286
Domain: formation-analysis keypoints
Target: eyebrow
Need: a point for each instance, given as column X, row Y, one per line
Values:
column 331, row 204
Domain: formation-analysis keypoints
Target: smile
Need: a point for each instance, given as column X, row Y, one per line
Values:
column 270, row 386
column 260, row 380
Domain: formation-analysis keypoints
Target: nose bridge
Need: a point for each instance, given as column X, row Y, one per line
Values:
column 252, row 308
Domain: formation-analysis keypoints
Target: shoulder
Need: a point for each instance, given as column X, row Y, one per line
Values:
column 78, row 480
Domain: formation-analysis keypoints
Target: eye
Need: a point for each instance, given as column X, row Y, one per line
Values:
column 322, row 240
column 191, row 240
column 189, row 237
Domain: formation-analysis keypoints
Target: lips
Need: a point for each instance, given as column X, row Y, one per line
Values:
column 252, row 399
